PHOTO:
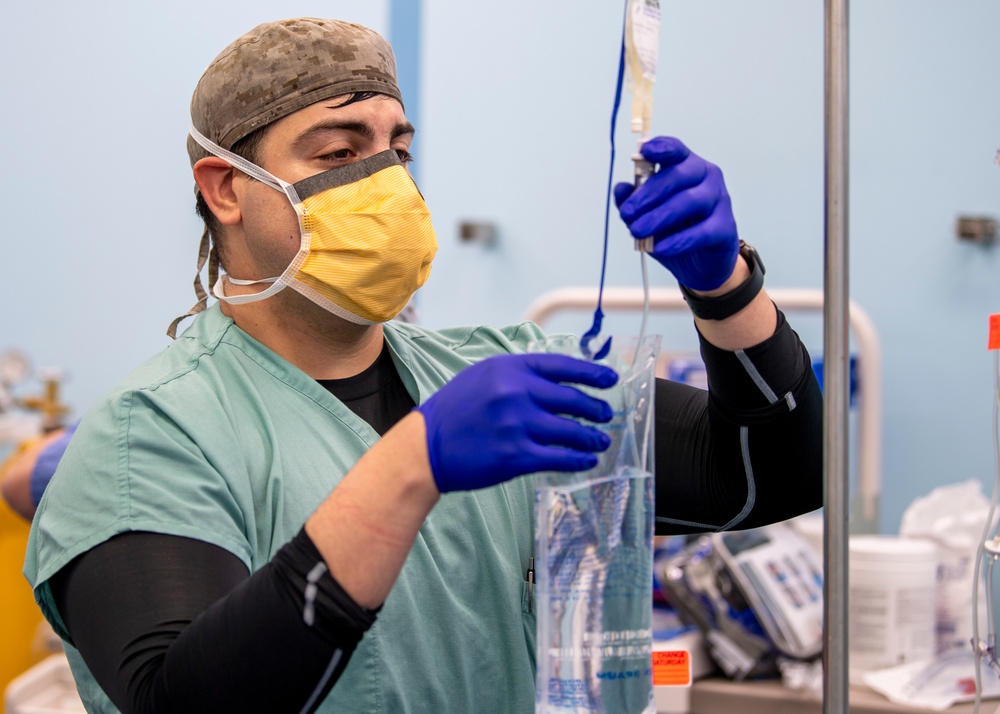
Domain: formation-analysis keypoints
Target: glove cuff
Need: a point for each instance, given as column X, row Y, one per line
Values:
column 723, row 306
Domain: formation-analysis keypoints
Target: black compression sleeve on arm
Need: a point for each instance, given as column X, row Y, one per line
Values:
column 749, row 451
column 172, row 624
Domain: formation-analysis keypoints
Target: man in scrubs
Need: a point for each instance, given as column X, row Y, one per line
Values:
column 304, row 505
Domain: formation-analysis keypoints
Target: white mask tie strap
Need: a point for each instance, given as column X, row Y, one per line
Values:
column 237, row 281
column 265, row 177
column 238, row 161
column 219, row 290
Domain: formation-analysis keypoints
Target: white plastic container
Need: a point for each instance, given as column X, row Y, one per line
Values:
column 891, row 602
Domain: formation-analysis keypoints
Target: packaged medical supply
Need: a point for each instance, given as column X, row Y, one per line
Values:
column 594, row 555
column 953, row 517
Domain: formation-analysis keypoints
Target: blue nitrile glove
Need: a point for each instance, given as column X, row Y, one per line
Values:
column 500, row 418
column 685, row 207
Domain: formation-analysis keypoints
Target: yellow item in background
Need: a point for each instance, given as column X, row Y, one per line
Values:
column 19, row 615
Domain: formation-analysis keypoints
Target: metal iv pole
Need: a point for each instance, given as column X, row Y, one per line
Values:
column 835, row 364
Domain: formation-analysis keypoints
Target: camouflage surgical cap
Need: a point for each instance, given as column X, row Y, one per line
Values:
column 280, row 67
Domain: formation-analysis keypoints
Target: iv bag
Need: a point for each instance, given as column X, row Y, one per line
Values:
column 642, row 47
column 594, row 554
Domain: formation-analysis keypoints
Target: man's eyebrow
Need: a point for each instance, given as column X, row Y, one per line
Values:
column 402, row 129
column 354, row 127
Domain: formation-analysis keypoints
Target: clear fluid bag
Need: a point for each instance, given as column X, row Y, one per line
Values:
column 594, row 554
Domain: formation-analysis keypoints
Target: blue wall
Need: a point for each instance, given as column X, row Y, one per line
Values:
column 99, row 236
column 517, row 98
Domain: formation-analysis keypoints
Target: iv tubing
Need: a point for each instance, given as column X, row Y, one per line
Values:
column 645, row 305
column 595, row 328
column 991, row 637
column 987, row 528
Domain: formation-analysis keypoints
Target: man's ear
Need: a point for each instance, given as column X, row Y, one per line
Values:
column 214, row 177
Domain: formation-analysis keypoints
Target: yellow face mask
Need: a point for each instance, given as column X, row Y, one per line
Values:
column 367, row 239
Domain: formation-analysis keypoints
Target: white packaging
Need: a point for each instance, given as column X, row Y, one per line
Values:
column 953, row 517
column 891, row 602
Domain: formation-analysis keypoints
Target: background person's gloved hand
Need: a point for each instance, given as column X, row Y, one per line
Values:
column 685, row 207
column 500, row 418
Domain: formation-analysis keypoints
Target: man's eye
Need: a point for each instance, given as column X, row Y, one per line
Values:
column 404, row 156
column 339, row 155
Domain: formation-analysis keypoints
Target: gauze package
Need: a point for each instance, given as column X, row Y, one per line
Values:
column 594, row 555
column 953, row 517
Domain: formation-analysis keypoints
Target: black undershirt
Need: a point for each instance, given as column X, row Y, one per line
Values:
column 172, row 624
column 377, row 395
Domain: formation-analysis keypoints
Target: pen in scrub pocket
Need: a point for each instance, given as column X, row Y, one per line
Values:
column 530, row 577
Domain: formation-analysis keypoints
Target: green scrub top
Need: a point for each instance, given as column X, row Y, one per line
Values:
column 220, row 439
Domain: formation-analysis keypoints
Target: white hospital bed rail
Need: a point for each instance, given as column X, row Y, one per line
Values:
column 869, row 362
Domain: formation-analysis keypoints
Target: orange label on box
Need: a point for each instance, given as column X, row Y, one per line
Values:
column 672, row 668
column 994, row 343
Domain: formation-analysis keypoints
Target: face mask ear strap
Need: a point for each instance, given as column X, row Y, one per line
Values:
column 206, row 249
column 238, row 161
column 205, row 254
